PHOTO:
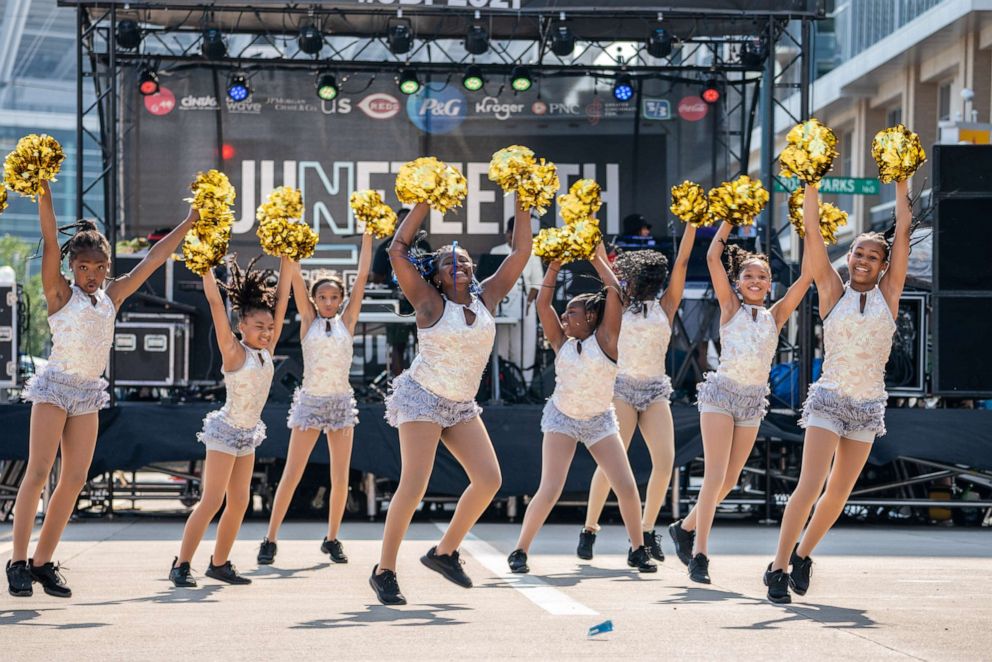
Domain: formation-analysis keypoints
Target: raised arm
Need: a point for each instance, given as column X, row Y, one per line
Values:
column 287, row 269
column 425, row 298
column 784, row 307
column 608, row 331
column 729, row 303
column 57, row 290
column 672, row 297
column 550, row 321
column 497, row 286
column 350, row 314
column 305, row 307
column 231, row 351
column 129, row 283
column 894, row 278
column 829, row 286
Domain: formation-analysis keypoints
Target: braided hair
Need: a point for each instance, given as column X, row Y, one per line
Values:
column 594, row 302
column 83, row 236
column 250, row 290
column 736, row 257
column 427, row 262
column 641, row 274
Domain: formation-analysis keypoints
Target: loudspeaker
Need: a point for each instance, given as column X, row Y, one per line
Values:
column 905, row 373
column 9, row 325
column 962, row 169
column 962, row 351
column 962, row 254
column 287, row 378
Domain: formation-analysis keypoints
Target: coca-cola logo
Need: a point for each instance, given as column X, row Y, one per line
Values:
column 380, row 106
column 501, row 111
column 692, row 109
column 160, row 103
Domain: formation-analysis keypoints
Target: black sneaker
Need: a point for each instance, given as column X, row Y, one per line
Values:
column 51, row 579
column 653, row 542
column 448, row 565
column 19, row 579
column 518, row 562
column 638, row 558
column 587, row 539
column 802, row 571
column 225, row 573
column 699, row 569
column 333, row 549
column 180, row 575
column 385, row 586
column 778, row 586
column 267, row 552
column 682, row 540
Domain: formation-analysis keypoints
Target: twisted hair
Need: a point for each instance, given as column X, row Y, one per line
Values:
column 593, row 302
column 641, row 274
column 250, row 290
column 426, row 263
column 83, row 237
column 736, row 257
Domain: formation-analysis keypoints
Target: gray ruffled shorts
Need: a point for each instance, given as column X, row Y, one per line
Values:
column 744, row 402
column 587, row 431
column 71, row 393
column 408, row 401
column 642, row 393
column 220, row 435
column 861, row 420
column 322, row 412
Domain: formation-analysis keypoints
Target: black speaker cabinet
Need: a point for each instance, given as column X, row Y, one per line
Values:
column 151, row 353
column 8, row 334
column 962, row 253
column 905, row 373
column 962, row 327
column 962, row 170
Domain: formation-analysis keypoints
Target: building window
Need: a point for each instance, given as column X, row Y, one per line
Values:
column 944, row 102
column 846, row 152
column 893, row 117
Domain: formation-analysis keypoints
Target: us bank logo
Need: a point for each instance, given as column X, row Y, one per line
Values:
column 436, row 111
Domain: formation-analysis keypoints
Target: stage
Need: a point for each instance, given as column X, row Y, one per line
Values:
column 877, row 593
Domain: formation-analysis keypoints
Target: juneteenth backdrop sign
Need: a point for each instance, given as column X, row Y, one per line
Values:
column 284, row 135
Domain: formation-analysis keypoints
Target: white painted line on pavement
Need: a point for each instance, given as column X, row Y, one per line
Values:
column 533, row 588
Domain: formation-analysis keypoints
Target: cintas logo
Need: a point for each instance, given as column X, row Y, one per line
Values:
column 193, row 102
column 436, row 112
column 380, row 106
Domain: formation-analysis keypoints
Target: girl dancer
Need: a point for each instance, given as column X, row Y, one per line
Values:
column 642, row 389
column 845, row 409
column 325, row 403
column 434, row 398
column 232, row 433
column 581, row 408
column 67, row 393
column 733, row 400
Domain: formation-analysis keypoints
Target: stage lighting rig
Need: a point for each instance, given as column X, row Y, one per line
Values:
column 753, row 53
column 623, row 87
column 562, row 40
column 408, row 82
column 148, row 82
column 238, row 87
column 128, row 34
column 399, row 36
column 711, row 91
column 473, row 79
column 520, row 79
column 659, row 43
column 477, row 40
column 213, row 46
column 326, row 86
column 311, row 40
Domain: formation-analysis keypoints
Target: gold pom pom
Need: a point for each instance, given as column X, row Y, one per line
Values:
column 36, row 158
column 898, row 153
column 378, row 217
column 582, row 201
column 738, row 202
column 510, row 166
column 690, row 204
column 538, row 189
column 548, row 244
column 283, row 202
column 212, row 198
column 576, row 241
column 810, row 152
column 202, row 256
column 831, row 217
column 432, row 181
column 279, row 232
column 3, row 198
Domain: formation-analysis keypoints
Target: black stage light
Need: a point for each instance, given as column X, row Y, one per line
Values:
column 562, row 41
column 408, row 82
column 753, row 53
column 520, row 79
column 477, row 40
column 128, row 34
column 238, row 88
column 659, row 43
column 399, row 37
column 711, row 91
column 213, row 46
column 327, row 86
column 623, row 87
column 311, row 40
column 148, row 82
column 473, row 79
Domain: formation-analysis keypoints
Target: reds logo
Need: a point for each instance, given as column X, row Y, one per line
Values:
column 380, row 106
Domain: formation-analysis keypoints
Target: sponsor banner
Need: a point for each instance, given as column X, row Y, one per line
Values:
column 656, row 109
column 693, row 108
column 351, row 143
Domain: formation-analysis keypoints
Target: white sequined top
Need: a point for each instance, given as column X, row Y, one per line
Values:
column 856, row 345
column 643, row 342
column 327, row 354
column 82, row 334
column 453, row 353
column 583, row 379
column 748, row 342
column 248, row 388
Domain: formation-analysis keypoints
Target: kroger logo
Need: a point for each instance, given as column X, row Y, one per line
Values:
column 436, row 111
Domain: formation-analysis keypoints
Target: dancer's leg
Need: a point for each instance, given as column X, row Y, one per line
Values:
column 339, row 446
column 658, row 431
column 217, row 470
column 47, row 424
column 236, row 502
column 611, row 456
column 301, row 443
column 599, row 488
column 557, row 452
